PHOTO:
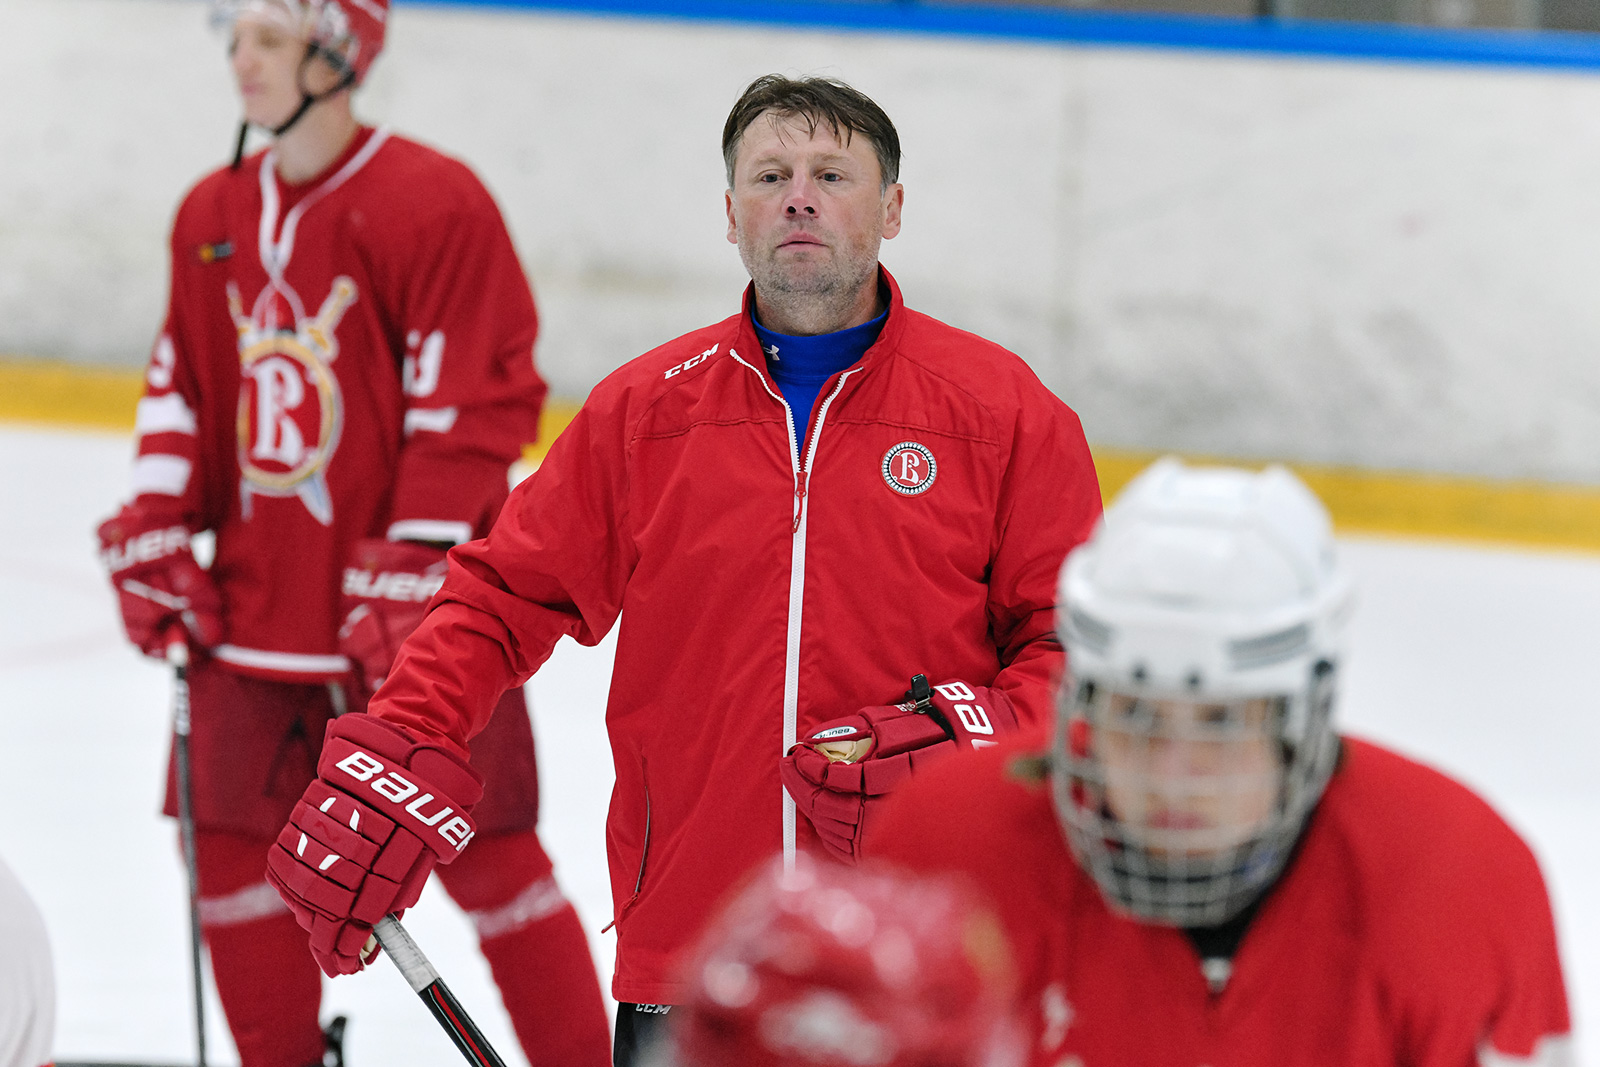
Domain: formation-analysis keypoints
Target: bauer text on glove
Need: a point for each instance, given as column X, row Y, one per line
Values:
column 387, row 586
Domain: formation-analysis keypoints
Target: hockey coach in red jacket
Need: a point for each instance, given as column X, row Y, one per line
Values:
column 798, row 513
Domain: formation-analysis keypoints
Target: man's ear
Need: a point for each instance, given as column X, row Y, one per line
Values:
column 733, row 224
column 894, row 200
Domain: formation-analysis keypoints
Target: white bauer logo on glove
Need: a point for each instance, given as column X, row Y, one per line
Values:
column 395, row 789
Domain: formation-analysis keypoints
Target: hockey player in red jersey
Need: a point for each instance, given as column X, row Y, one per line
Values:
column 832, row 966
column 345, row 374
column 1200, row 869
column 794, row 512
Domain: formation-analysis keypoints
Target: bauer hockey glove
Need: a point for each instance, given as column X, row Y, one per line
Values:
column 363, row 839
column 387, row 586
column 839, row 775
column 146, row 551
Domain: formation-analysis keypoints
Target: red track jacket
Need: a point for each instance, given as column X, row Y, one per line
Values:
column 762, row 589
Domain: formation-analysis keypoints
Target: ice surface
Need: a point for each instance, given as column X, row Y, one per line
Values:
column 1479, row 661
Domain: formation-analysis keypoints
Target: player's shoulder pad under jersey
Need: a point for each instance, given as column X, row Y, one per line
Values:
column 427, row 191
column 1417, row 829
column 203, row 213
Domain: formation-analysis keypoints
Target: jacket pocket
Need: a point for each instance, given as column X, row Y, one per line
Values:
column 644, row 853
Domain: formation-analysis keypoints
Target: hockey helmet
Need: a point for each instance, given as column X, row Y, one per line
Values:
column 833, row 966
column 348, row 34
column 1203, row 624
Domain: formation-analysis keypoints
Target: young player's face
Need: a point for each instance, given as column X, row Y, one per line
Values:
column 807, row 210
column 266, row 60
column 1188, row 778
column 270, row 68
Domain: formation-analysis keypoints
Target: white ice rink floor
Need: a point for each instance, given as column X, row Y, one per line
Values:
column 1485, row 663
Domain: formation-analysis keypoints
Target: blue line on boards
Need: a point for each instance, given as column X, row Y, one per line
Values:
column 1330, row 40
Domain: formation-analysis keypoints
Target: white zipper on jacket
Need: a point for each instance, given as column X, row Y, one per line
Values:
column 797, row 586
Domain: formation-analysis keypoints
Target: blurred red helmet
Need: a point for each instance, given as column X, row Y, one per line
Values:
column 833, row 966
column 347, row 33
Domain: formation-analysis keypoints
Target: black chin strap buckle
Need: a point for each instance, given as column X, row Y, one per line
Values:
column 920, row 696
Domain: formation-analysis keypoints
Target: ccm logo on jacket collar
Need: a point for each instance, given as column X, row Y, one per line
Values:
column 395, row 789
column 695, row 362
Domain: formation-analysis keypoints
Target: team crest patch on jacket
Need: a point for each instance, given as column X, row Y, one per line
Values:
column 909, row 468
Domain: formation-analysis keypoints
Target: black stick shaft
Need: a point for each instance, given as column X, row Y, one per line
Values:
column 427, row 984
column 178, row 656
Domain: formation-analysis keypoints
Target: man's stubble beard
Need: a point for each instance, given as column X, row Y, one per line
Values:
column 836, row 282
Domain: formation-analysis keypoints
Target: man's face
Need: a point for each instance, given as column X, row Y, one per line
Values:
column 1189, row 778
column 267, row 56
column 808, row 211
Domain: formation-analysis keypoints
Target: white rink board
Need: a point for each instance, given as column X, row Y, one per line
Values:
column 1366, row 263
column 1475, row 660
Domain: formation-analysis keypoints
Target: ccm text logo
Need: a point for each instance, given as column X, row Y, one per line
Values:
column 695, row 362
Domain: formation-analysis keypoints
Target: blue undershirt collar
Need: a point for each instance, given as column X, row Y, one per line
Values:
column 802, row 365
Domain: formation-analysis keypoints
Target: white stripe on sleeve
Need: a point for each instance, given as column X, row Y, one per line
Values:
column 163, row 414
column 161, row 473
column 436, row 420
column 287, row 662
column 1553, row 1050
column 457, row 533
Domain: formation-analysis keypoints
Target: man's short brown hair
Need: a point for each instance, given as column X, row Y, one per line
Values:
column 817, row 102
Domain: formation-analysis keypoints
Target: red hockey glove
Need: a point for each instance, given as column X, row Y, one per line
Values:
column 387, row 587
column 158, row 583
column 839, row 775
column 365, row 836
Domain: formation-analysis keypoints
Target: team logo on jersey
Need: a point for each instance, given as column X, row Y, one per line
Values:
column 909, row 468
column 290, row 408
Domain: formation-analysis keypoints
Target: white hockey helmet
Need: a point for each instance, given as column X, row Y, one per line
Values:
column 1202, row 623
column 347, row 33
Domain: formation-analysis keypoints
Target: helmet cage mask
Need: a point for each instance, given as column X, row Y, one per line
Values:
column 1205, row 871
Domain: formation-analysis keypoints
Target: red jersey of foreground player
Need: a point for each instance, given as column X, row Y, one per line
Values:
column 672, row 499
column 1411, row 928
column 279, row 327
column 1201, row 870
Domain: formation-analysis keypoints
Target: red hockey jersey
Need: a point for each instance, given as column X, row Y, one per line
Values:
column 1411, row 929
column 919, row 530
column 350, row 357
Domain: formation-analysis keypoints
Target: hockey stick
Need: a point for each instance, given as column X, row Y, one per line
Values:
column 426, row 983
column 178, row 657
